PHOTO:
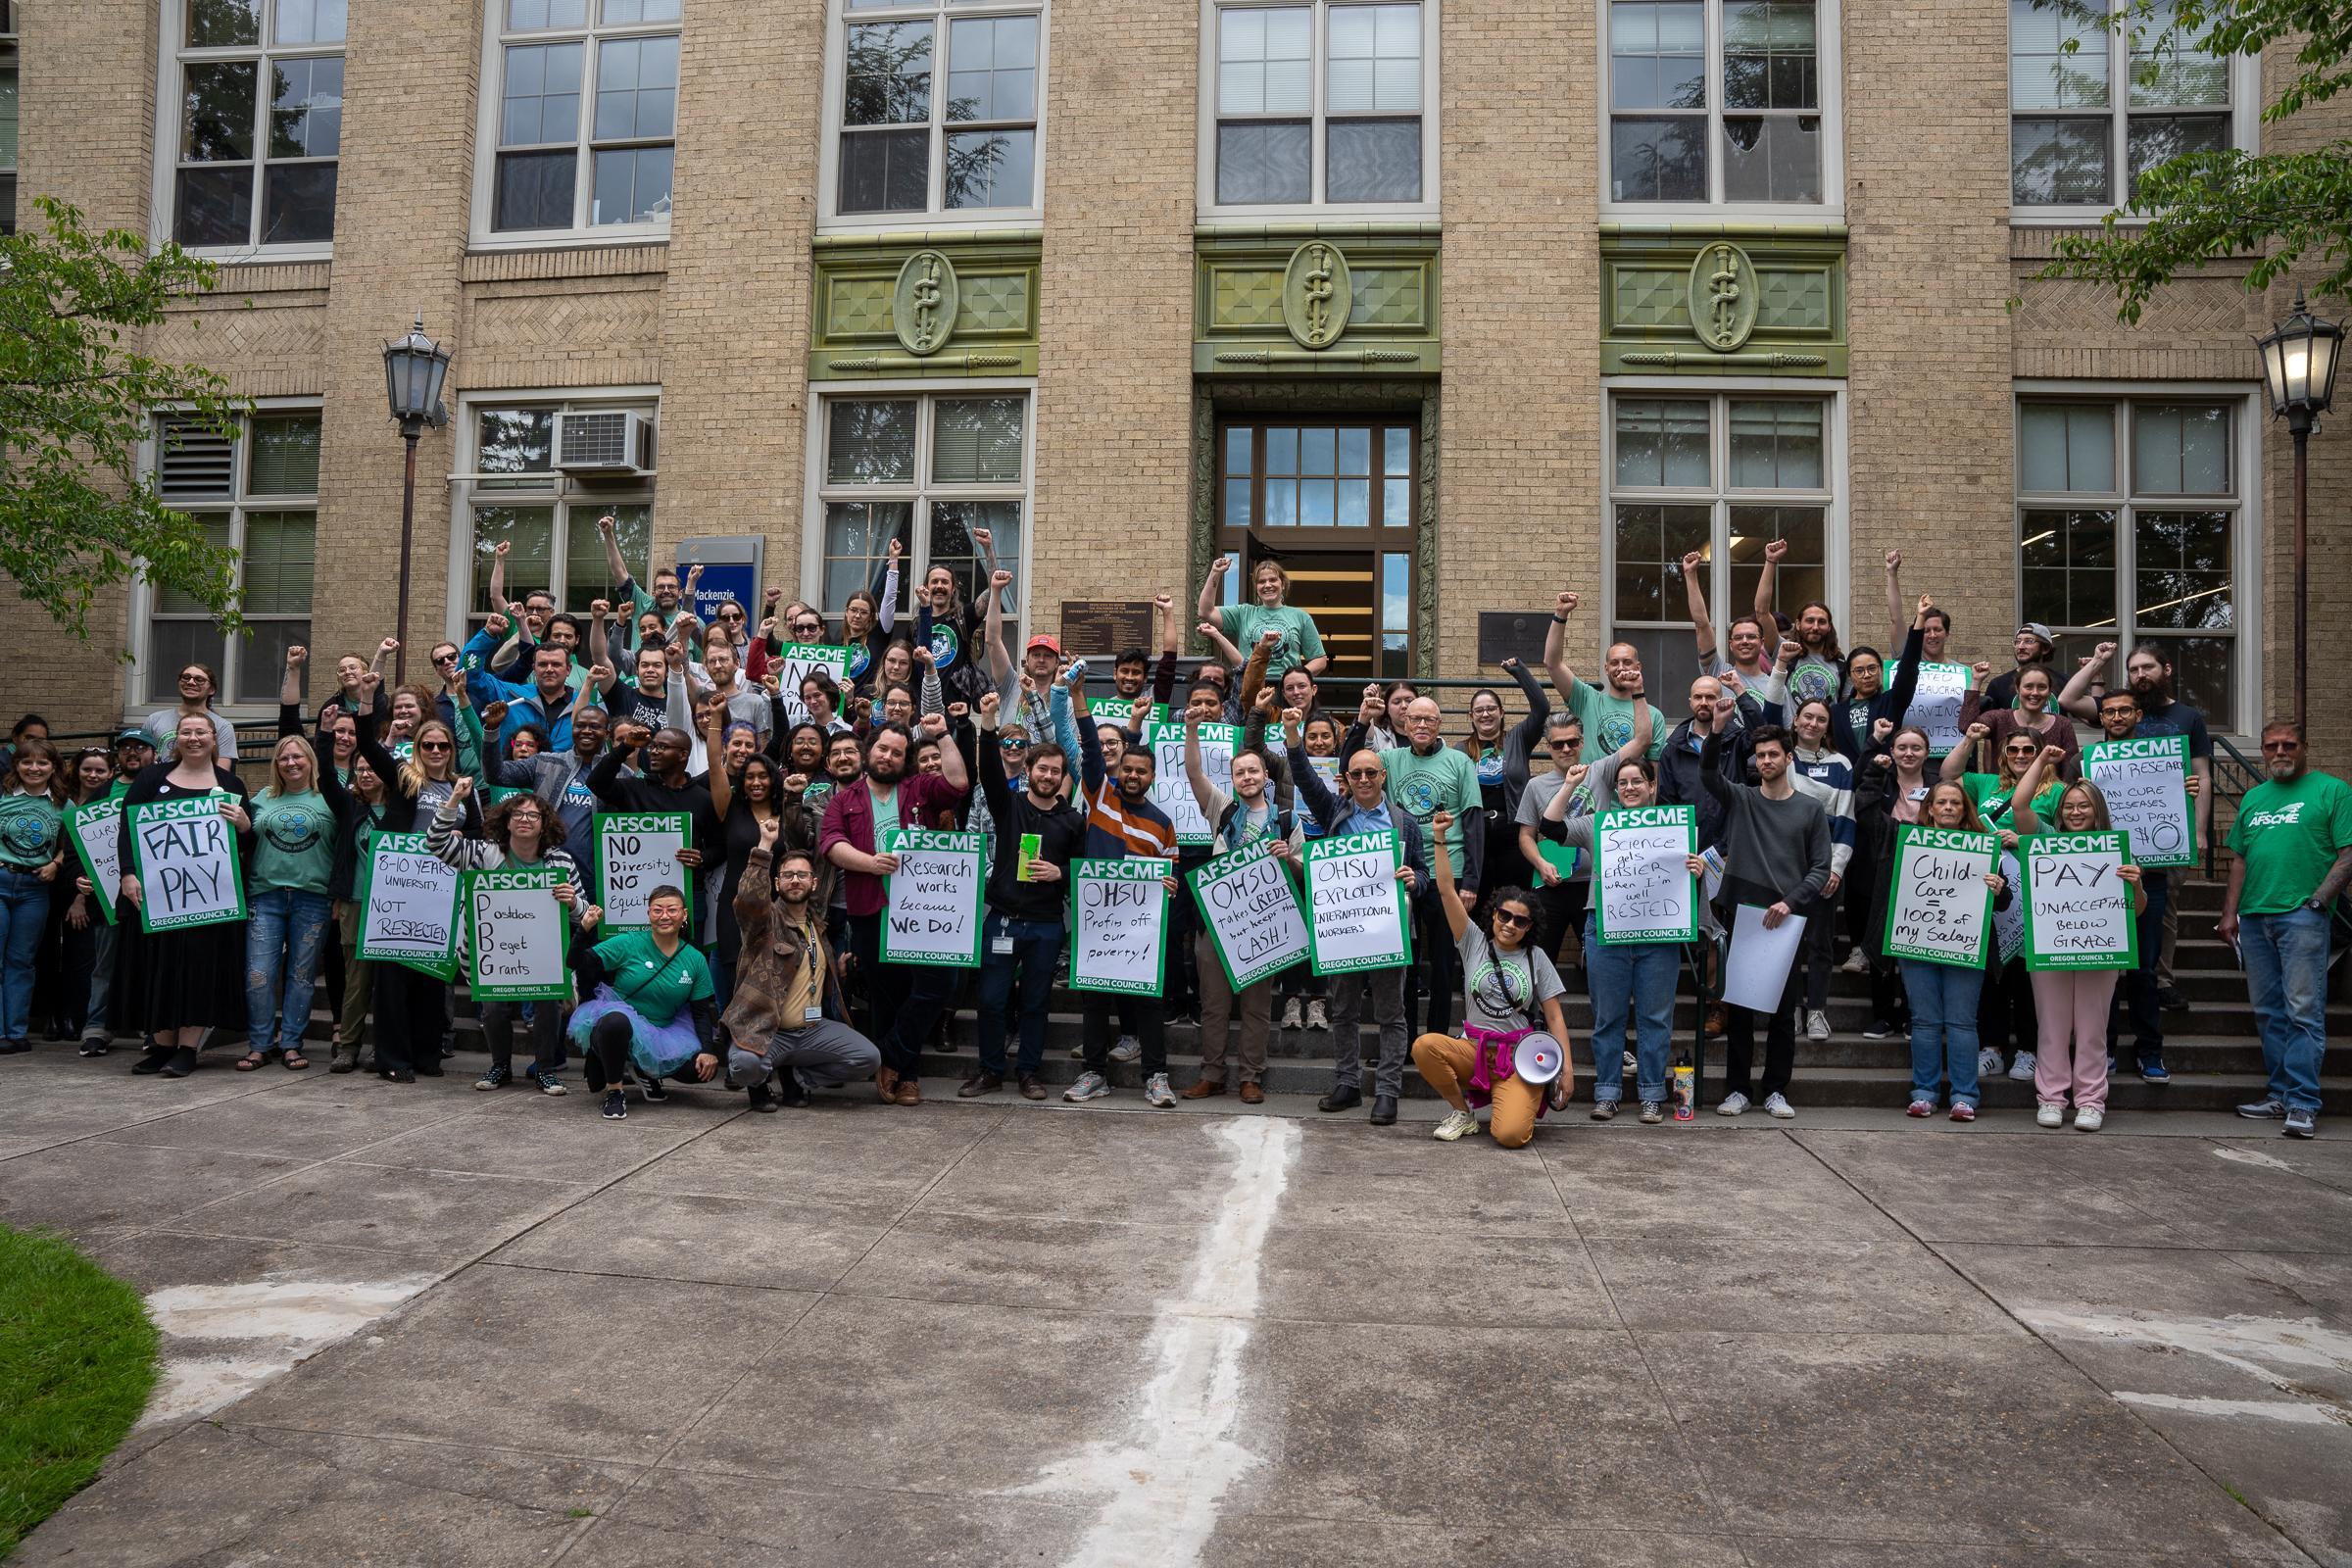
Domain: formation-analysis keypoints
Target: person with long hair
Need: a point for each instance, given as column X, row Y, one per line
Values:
column 2005, row 1007
column 2035, row 714
column 1891, row 791
column 651, row 1005
column 375, row 806
column 866, row 620
column 518, row 833
column 1501, row 752
column 199, row 689
column 188, row 979
column 957, row 631
column 90, row 777
column 1298, row 643
column 1943, row 996
column 32, row 851
column 412, row 1006
column 296, row 818
column 114, row 941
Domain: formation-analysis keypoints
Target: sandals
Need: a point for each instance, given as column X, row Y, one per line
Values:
column 252, row 1059
column 294, row 1061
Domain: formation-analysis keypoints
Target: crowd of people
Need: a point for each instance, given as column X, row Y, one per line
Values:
column 761, row 967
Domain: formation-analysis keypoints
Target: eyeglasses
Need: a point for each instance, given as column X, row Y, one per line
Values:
column 1510, row 918
column 433, row 745
column 1365, row 772
column 2282, row 746
column 193, row 676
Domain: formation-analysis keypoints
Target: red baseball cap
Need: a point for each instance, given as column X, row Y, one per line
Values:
column 1042, row 640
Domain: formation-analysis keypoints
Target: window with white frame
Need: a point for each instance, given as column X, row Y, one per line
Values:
column 1720, row 101
column 1319, row 105
column 936, row 106
column 1724, row 475
column 2127, row 520
column 258, row 496
column 7, row 116
column 518, row 494
column 579, row 109
column 252, row 121
column 927, row 469
column 2092, row 109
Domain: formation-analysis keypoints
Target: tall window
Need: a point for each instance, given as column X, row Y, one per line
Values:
column 258, row 495
column 2128, row 517
column 927, row 471
column 518, row 495
column 255, row 121
column 1722, row 474
column 7, row 116
column 1717, row 100
column 1321, row 105
column 582, row 107
column 937, row 106
column 2092, row 111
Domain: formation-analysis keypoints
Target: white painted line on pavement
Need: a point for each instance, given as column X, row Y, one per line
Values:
column 294, row 1319
column 2314, row 1415
column 2240, row 1341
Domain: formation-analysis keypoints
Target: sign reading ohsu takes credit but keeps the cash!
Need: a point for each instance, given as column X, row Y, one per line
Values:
column 1251, row 911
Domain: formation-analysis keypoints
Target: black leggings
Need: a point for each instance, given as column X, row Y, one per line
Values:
column 610, row 1041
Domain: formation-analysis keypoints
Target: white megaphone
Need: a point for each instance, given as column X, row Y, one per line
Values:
column 1537, row 1058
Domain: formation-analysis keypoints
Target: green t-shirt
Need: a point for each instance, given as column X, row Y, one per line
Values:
column 2288, row 836
column 1608, row 721
column 1443, row 780
column 1300, row 642
column 28, row 831
column 1991, row 802
column 293, row 841
column 658, row 987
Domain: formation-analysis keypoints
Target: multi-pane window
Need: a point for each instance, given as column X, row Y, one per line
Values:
column 1722, row 474
column 584, row 114
column 1716, row 101
column 7, row 116
column 2092, row 109
column 255, row 121
column 258, row 495
column 1320, row 104
column 2127, row 520
column 927, row 471
column 518, row 495
column 937, row 106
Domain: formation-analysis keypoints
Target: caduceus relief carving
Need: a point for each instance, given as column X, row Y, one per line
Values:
column 1318, row 292
column 926, row 301
column 1722, row 289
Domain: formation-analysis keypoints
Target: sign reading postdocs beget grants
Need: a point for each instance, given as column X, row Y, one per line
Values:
column 1251, row 911
column 187, row 864
column 1642, row 889
column 409, row 906
column 1937, row 906
column 931, row 904
column 637, row 852
column 2146, row 784
column 2078, row 909
column 518, row 932
column 1118, row 936
column 1357, row 903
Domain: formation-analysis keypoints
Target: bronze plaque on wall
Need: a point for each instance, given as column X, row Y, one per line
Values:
column 1100, row 628
column 1502, row 633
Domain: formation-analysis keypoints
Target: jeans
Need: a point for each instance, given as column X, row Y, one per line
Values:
column 284, row 932
column 1036, row 955
column 1943, row 1028
column 23, row 915
column 2136, row 989
column 1386, row 988
column 2286, row 974
column 1635, row 979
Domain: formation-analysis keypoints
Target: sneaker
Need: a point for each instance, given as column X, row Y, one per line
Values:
column 1988, row 1062
column 2049, row 1115
column 2090, row 1119
column 1653, row 1112
column 1090, row 1086
column 1879, row 1029
column 651, row 1088
column 1128, row 1049
column 2264, row 1110
column 1289, row 1014
column 546, row 1082
column 1632, row 1063
column 2152, row 1070
column 2021, row 1067
column 1457, row 1125
column 1920, row 1107
column 1318, row 1016
column 1817, row 1025
column 1605, row 1111
column 2167, row 996
column 96, row 1046
column 2302, row 1124
column 1078, row 1052
column 1778, row 1106
column 1730, row 1105
column 616, row 1106
column 1856, row 963
column 1962, row 1110
column 1156, row 1093
column 496, row 1077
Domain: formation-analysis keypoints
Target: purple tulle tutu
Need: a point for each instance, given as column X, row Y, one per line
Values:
column 659, row 1049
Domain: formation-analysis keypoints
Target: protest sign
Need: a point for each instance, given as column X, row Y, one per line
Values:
column 1251, row 912
column 1172, row 787
column 1935, row 704
column 518, row 934
column 188, row 869
column 95, row 831
column 409, row 906
column 1642, row 889
column 2009, row 922
column 1360, row 920
column 1327, row 768
column 2077, row 910
column 793, row 667
column 1937, row 906
column 1756, row 969
column 2146, row 785
column 931, row 904
column 637, row 852
column 1118, row 941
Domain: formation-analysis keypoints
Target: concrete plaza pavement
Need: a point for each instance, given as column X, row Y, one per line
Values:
column 426, row 1325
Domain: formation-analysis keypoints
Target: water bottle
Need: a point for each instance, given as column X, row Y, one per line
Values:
column 1686, row 1089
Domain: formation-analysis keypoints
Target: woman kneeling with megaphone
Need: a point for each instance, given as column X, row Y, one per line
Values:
column 1508, row 985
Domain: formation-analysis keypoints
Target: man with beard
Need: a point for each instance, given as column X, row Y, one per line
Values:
column 646, row 701
column 958, row 633
column 560, row 778
column 2032, row 645
column 1818, row 675
column 1744, row 639
column 777, row 1017
column 1608, row 716
column 667, row 601
column 1028, row 904
column 547, row 701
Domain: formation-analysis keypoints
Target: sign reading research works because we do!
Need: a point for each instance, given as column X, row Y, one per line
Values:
column 518, row 932
column 1937, row 906
column 2146, row 784
column 1358, row 905
column 95, row 831
column 1119, row 924
column 1251, row 912
column 2079, row 911
column 931, row 904
column 1642, row 889
column 1172, row 790
column 637, row 852
column 187, row 864
column 409, row 906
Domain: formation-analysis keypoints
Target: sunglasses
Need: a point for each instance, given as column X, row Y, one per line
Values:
column 2282, row 746
column 1507, row 917
column 445, row 658
column 1008, row 745
column 730, row 615
column 1365, row 772
column 433, row 745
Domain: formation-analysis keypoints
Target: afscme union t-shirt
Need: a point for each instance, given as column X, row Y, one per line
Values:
column 2288, row 835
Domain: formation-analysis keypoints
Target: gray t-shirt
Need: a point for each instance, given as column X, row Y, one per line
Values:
column 1538, row 797
column 1505, row 991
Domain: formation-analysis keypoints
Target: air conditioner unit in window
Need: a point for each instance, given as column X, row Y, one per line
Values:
column 614, row 443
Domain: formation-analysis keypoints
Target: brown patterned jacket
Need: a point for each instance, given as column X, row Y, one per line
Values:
column 769, row 966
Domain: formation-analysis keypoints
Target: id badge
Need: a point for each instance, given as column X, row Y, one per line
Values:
column 1001, row 946
column 811, row 1013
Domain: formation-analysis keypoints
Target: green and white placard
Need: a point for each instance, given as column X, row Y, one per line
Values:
column 188, row 869
column 95, row 831
column 1936, row 703
column 1359, row 907
column 518, row 932
column 637, row 852
column 1937, row 906
column 932, row 904
column 1172, row 790
column 1642, row 889
column 2078, row 909
column 2146, row 785
column 1120, row 925
column 794, row 665
column 1251, row 911
column 409, row 906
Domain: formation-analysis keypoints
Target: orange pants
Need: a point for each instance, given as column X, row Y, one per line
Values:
column 1446, row 1063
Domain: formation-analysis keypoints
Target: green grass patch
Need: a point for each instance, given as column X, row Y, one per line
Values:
column 76, row 1362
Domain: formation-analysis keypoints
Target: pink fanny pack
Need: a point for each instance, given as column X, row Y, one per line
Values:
column 1495, row 1064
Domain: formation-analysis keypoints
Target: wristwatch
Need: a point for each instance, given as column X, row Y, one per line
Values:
column 2317, row 905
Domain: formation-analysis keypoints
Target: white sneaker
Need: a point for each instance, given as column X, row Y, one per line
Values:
column 1817, row 1025
column 1778, row 1106
column 1988, row 1062
column 2090, row 1119
column 1090, row 1086
column 1632, row 1063
column 1455, row 1126
column 1318, row 1016
column 1856, row 963
column 2021, row 1067
column 1732, row 1104
column 2049, row 1116
column 1128, row 1049
column 1289, row 1014
column 1156, row 1093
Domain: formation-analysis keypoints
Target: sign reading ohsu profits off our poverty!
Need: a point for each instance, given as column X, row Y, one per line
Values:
column 1937, row 906
column 409, row 906
column 2146, row 785
column 518, row 930
column 1118, row 938
column 95, row 831
column 793, row 667
column 1251, row 911
column 637, row 852
column 1642, row 889
column 2078, row 909
column 931, row 904
column 188, row 869
column 1358, row 905
column 1172, row 791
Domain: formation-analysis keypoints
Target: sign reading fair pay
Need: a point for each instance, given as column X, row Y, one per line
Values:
column 188, row 870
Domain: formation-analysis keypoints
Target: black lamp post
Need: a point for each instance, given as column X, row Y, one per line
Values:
column 2298, row 363
column 415, row 368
